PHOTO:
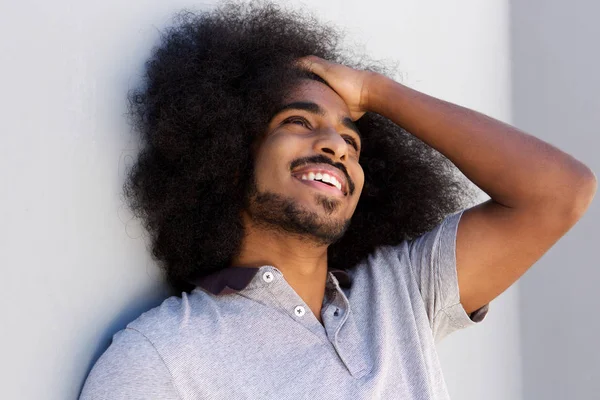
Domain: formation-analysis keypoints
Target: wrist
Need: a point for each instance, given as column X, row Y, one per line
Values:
column 371, row 93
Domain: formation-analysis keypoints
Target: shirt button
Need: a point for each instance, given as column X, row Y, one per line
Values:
column 299, row 311
column 268, row 277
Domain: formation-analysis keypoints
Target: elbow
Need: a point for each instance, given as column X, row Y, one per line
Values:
column 588, row 191
column 583, row 189
column 568, row 201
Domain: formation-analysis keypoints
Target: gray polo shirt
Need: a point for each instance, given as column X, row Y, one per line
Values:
column 244, row 333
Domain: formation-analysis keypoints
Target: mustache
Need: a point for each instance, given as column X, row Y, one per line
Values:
column 321, row 159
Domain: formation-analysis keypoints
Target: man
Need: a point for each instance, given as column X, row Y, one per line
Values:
column 250, row 215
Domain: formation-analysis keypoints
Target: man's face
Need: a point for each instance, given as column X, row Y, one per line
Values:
column 312, row 138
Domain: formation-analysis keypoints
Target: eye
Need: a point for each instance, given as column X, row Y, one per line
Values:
column 350, row 140
column 297, row 120
column 304, row 122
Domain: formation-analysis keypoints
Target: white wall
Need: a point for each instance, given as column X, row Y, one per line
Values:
column 75, row 269
column 556, row 86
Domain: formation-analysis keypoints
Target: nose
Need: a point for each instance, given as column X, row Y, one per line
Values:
column 331, row 142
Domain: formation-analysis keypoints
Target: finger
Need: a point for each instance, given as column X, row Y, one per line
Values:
column 311, row 63
column 304, row 63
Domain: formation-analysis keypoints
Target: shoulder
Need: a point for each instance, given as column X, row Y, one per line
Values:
column 139, row 361
column 412, row 262
column 130, row 368
column 176, row 316
column 385, row 268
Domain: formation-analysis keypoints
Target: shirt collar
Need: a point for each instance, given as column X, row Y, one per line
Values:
column 234, row 279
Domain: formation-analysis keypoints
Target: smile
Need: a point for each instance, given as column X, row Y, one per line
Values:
column 322, row 186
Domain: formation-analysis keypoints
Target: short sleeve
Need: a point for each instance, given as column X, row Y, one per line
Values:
column 432, row 258
column 130, row 369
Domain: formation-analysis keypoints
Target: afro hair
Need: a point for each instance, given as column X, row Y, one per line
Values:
column 207, row 94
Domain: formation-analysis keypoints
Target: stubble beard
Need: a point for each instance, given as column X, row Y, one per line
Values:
column 284, row 215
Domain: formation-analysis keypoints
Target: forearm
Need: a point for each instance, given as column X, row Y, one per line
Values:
column 515, row 169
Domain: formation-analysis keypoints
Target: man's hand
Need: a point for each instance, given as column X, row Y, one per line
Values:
column 350, row 84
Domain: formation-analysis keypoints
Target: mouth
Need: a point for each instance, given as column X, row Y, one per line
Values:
column 322, row 187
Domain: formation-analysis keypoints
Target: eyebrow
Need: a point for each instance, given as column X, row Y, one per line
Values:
column 314, row 108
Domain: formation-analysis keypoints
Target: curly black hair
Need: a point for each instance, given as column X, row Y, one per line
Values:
column 209, row 89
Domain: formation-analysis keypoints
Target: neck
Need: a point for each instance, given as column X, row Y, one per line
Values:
column 303, row 263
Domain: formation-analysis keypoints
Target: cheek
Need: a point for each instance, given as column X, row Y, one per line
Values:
column 359, row 178
column 362, row 184
column 282, row 149
column 273, row 160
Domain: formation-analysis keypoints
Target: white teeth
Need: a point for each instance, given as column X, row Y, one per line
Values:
column 322, row 177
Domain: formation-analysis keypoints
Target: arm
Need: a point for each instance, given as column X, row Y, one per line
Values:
column 537, row 191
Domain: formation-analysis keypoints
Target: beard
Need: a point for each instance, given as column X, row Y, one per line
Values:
column 285, row 216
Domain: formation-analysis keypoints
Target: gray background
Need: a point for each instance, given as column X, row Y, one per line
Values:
column 556, row 86
column 75, row 267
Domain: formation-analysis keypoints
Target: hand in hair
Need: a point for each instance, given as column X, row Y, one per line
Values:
column 349, row 83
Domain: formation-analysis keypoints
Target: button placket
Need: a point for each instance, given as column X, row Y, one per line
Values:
column 283, row 297
column 337, row 314
column 299, row 311
column 268, row 277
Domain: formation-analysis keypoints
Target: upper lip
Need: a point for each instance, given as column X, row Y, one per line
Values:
column 332, row 171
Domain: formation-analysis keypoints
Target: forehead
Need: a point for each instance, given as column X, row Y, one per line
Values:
column 320, row 93
column 319, row 99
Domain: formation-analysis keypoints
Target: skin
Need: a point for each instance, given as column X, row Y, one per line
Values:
column 289, row 224
column 537, row 191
